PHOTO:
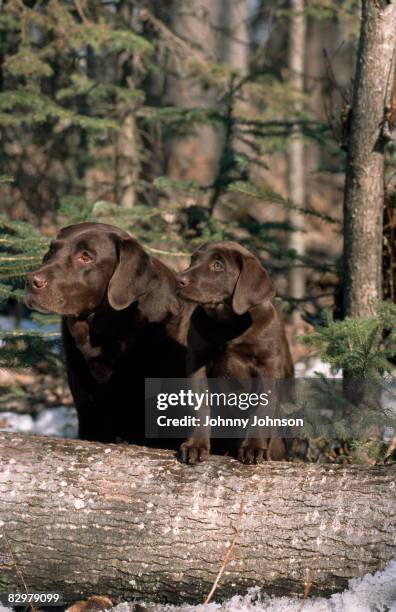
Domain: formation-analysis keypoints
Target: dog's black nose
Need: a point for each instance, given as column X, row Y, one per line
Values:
column 38, row 281
column 182, row 281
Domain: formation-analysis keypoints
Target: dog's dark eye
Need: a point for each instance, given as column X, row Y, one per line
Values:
column 48, row 254
column 84, row 257
column 217, row 266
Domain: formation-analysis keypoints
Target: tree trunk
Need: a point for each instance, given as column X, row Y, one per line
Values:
column 134, row 523
column 219, row 33
column 127, row 145
column 194, row 156
column 364, row 187
column 127, row 152
column 233, row 38
column 296, row 171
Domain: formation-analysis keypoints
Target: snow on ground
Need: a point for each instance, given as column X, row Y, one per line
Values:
column 59, row 421
column 313, row 366
column 372, row 593
column 25, row 324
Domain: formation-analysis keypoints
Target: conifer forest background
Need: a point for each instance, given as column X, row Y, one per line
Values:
column 185, row 121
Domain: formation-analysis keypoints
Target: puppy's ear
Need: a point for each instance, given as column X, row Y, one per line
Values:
column 253, row 286
column 131, row 276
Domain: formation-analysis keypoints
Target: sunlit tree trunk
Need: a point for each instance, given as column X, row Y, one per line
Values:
column 127, row 146
column 193, row 156
column 218, row 32
column 296, row 170
column 127, row 152
column 233, row 39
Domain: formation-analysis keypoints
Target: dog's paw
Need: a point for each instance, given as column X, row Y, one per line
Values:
column 194, row 450
column 253, row 450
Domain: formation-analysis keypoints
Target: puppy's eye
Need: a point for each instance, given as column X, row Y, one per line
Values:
column 47, row 255
column 84, row 257
column 217, row 266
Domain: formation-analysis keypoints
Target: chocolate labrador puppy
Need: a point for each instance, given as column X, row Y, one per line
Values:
column 241, row 334
column 122, row 321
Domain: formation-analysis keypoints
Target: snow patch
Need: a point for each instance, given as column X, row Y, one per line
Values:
column 372, row 593
column 10, row 421
column 60, row 421
column 313, row 366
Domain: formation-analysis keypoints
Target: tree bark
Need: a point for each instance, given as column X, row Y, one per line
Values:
column 134, row 523
column 127, row 151
column 296, row 171
column 194, row 23
column 233, row 38
column 364, row 187
column 127, row 145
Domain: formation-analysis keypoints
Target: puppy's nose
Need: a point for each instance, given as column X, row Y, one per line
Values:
column 39, row 281
column 182, row 281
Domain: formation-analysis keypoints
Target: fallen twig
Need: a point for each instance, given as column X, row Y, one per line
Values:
column 308, row 584
column 227, row 555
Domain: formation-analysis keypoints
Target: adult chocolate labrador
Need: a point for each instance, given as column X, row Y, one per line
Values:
column 122, row 322
column 244, row 335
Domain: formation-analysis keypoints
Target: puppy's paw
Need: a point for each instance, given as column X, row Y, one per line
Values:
column 253, row 450
column 277, row 450
column 194, row 450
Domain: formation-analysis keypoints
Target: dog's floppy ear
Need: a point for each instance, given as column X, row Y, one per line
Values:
column 253, row 286
column 131, row 276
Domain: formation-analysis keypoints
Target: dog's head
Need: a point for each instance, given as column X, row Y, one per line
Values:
column 86, row 266
column 225, row 272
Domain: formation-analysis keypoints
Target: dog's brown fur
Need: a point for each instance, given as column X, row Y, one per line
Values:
column 122, row 322
column 241, row 333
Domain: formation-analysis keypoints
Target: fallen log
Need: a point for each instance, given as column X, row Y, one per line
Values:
column 133, row 523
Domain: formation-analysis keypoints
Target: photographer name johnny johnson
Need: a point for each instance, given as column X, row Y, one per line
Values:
column 236, row 422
